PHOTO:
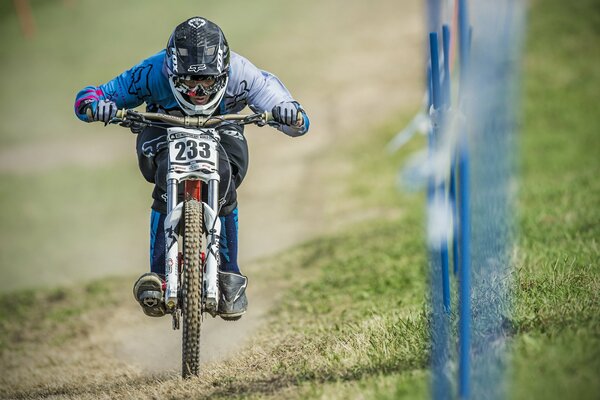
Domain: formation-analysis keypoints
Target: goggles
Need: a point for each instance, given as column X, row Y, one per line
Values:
column 202, row 85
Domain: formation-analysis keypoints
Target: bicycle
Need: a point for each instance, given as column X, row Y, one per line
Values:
column 191, row 273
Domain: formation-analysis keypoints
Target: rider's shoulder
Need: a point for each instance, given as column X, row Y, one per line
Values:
column 148, row 80
column 155, row 61
column 243, row 74
column 241, row 68
column 149, row 69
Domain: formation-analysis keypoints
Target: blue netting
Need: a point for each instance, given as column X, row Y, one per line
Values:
column 471, row 187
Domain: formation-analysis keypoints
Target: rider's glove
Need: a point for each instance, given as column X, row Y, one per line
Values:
column 105, row 111
column 287, row 113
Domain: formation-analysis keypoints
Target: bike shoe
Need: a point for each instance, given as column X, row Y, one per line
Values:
column 233, row 302
column 148, row 291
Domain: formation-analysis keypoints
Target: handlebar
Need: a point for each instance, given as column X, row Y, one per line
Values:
column 125, row 115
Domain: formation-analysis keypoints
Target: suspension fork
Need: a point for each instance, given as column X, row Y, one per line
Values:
column 213, row 226
column 192, row 190
column 172, row 259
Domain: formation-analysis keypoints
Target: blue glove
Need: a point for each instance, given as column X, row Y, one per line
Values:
column 286, row 113
column 105, row 111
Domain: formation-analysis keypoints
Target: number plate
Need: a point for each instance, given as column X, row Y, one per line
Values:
column 190, row 152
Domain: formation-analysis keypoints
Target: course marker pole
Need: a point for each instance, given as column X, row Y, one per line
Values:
column 464, row 336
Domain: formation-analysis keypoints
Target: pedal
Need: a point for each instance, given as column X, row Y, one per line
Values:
column 151, row 298
column 211, row 306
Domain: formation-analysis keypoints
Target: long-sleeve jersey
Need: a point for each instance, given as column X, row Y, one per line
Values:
column 147, row 82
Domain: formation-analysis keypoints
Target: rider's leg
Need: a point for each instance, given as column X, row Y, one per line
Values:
column 148, row 290
column 157, row 243
column 233, row 302
column 229, row 242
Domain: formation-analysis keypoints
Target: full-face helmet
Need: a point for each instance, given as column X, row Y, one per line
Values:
column 197, row 60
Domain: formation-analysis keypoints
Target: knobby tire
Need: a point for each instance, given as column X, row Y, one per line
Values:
column 191, row 288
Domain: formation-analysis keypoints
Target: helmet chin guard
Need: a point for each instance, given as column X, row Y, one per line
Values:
column 198, row 48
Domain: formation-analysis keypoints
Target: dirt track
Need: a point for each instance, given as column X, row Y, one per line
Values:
column 364, row 76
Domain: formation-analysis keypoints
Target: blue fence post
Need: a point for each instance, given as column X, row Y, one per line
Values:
column 446, row 50
column 435, row 70
column 440, row 296
column 446, row 89
column 454, row 205
column 464, row 338
column 439, row 191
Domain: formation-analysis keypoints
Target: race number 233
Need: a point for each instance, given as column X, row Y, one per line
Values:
column 191, row 149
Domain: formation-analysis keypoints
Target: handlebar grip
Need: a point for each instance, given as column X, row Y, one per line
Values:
column 269, row 118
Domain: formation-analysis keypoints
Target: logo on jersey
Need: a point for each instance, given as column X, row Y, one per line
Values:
column 197, row 68
column 196, row 22
column 140, row 82
column 233, row 133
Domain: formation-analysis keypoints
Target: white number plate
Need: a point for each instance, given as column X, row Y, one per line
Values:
column 190, row 152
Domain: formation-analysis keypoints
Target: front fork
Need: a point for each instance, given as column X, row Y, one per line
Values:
column 210, row 287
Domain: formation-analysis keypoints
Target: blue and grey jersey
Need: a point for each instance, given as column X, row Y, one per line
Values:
column 147, row 82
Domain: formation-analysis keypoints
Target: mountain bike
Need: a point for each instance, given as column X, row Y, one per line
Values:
column 192, row 227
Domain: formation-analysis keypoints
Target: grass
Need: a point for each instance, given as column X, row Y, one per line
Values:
column 557, row 348
column 52, row 315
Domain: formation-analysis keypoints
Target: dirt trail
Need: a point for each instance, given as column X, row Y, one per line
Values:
column 358, row 79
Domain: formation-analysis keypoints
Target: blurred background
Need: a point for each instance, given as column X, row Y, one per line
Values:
column 73, row 206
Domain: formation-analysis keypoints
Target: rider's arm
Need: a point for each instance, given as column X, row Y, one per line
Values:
column 128, row 90
column 266, row 91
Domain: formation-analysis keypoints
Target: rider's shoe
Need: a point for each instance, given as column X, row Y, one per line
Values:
column 233, row 302
column 148, row 291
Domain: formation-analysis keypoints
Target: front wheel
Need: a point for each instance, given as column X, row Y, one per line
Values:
column 191, row 287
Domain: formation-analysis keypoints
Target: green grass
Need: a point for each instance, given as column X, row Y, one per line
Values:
column 53, row 315
column 557, row 350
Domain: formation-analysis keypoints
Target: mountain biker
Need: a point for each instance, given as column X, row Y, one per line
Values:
column 198, row 75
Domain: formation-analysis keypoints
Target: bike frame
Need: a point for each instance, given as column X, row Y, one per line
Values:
column 196, row 174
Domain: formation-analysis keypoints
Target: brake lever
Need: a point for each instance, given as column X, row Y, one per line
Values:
column 258, row 119
column 134, row 116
